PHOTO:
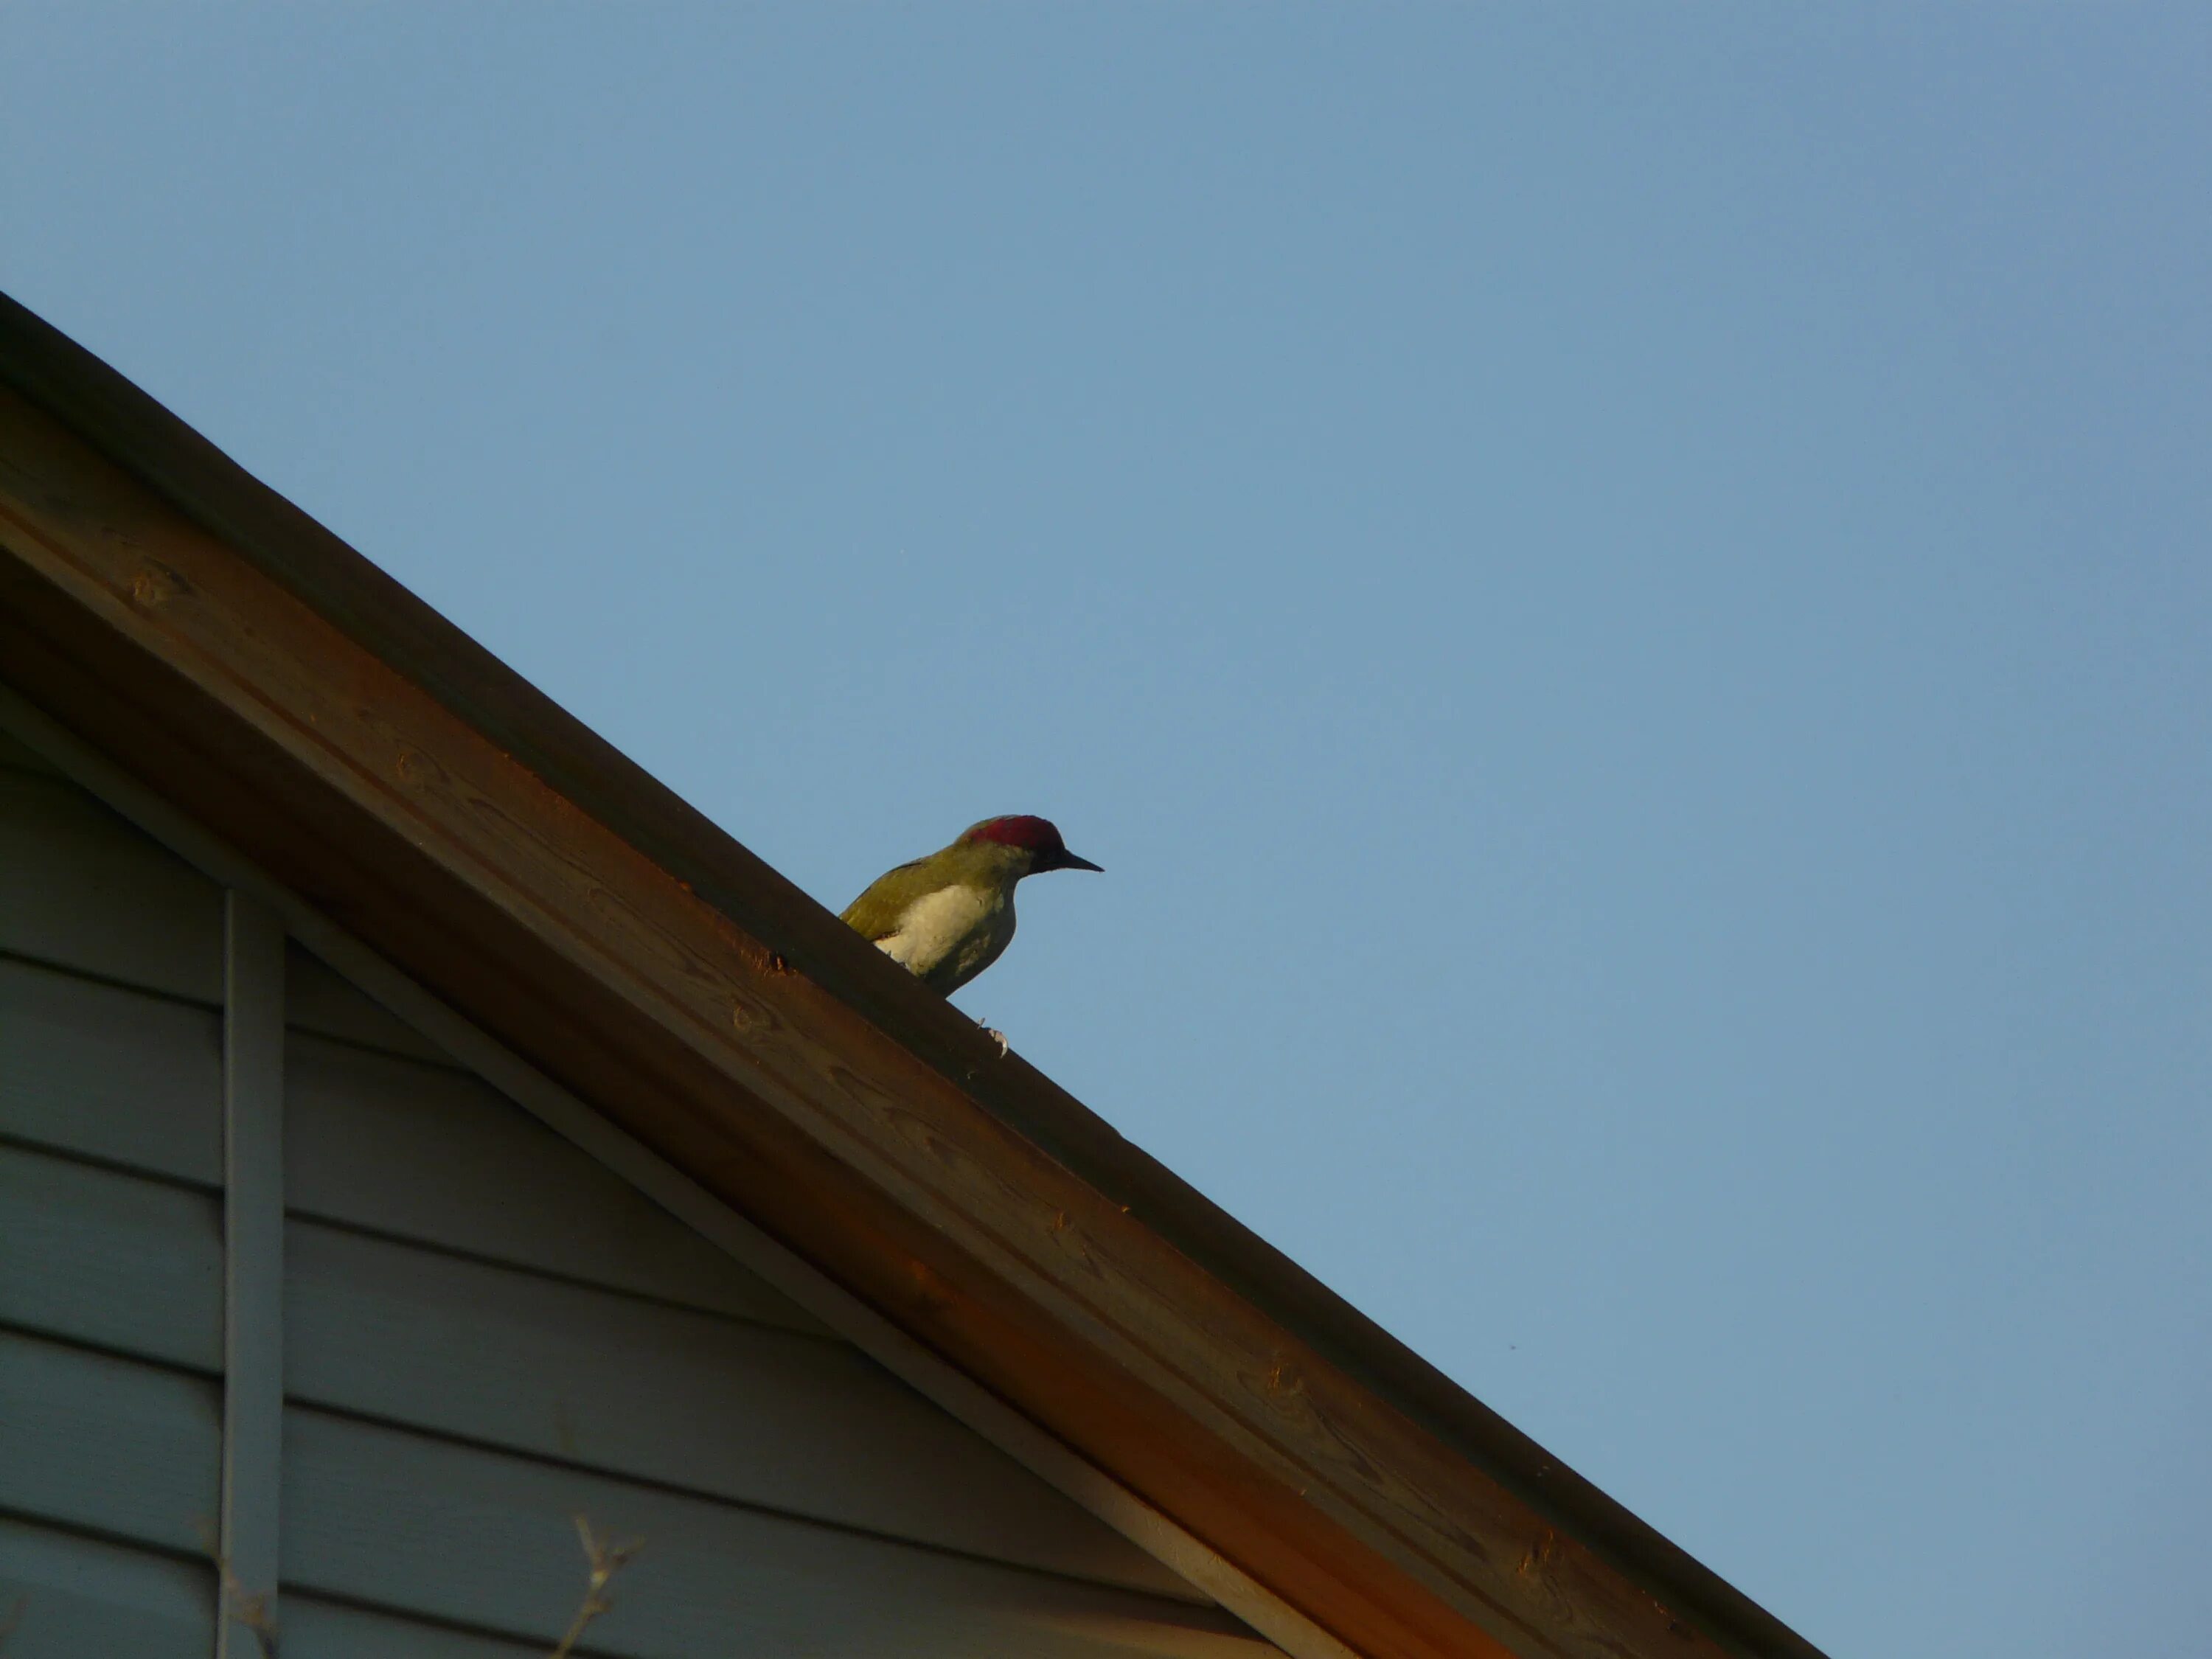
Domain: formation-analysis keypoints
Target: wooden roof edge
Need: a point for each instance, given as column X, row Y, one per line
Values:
column 360, row 601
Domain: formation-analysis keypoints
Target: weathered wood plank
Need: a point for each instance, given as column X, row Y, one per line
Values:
column 431, row 1153
column 111, row 1073
column 118, row 1447
column 317, row 999
column 94, row 1256
column 391, row 1519
column 254, row 1261
column 82, row 888
column 79, row 1598
column 727, row 1409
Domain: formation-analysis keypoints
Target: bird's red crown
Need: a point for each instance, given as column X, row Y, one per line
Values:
column 1037, row 835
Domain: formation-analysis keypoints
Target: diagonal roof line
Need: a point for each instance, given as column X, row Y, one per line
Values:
column 1591, row 1577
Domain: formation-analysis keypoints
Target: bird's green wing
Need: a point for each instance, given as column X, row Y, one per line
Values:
column 875, row 914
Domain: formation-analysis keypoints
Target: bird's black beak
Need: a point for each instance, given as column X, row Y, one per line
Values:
column 1067, row 860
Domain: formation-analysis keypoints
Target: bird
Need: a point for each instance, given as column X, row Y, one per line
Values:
column 946, row 918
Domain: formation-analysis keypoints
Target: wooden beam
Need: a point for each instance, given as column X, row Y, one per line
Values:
column 252, row 1273
column 729, row 1024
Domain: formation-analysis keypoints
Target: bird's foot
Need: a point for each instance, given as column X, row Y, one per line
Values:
column 999, row 1037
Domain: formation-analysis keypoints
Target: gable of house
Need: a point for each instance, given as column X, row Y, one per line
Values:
column 483, row 1331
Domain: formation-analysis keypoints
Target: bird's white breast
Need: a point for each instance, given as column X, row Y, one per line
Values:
column 935, row 925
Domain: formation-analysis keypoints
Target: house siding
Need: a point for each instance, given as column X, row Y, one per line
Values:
column 484, row 1332
column 111, row 1230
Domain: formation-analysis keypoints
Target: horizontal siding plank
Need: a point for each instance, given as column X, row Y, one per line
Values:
column 377, row 1516
column 433, row 1154
column 693, row 1400
column 316, row 1629
column 80, row 1598
column 99, row 1257
column 316, row 999
column 112, row 1445
column 111, row 1073
column 81, row 888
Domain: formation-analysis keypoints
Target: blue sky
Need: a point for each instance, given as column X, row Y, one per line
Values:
column 1623, row 594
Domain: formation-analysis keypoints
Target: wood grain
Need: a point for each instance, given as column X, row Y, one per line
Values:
column 959, row 1193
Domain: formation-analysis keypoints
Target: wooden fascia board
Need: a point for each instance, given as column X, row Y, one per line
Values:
column 326, row 722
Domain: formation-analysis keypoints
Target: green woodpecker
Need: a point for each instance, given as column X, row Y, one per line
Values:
column 946, row 918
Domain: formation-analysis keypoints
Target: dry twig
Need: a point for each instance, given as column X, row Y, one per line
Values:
column 607, row 1558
